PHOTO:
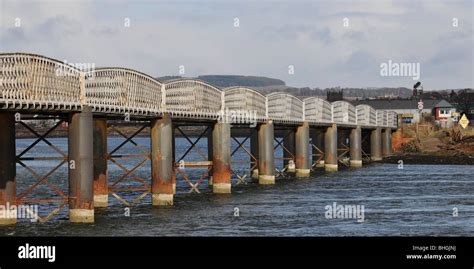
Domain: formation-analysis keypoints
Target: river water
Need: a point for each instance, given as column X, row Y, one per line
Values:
column 416, row 200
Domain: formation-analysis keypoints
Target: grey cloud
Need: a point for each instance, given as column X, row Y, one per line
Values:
column 273, row 34
column 293, row 31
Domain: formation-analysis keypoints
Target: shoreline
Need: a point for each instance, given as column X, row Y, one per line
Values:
column 435, row 159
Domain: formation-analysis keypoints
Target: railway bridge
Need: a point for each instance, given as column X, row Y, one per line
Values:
column 310, row 133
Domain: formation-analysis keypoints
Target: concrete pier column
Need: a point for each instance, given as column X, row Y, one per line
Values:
column 101, row 191
column 317, row 136
column 209, row 154
column 355, row 145
column 376, row 144
column 387, row 142
column 162, row 161
column 81, row 167
column 7, row 169
column 301, row 151
column 289, row 144
column 173, row 146
column 221, row 170
column 266, row 163
column 330, row 149
column 254, row 152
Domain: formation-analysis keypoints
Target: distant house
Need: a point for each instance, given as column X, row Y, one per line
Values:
column 408, row 111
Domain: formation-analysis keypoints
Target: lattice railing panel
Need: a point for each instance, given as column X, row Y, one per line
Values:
column 366, row 115
column 193, row 98
column 392, row 119
column 122, row 90
column 285, row 107
column 245, row 99
column 381, row 118
column 36, row 82
column 343, row 112
column 317, row 110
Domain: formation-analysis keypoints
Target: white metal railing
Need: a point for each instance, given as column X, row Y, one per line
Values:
column 381, row 118
column 392, row 119
column 317, row 110
column 122, row 90
column 284, row 107
column 343, row 112
column 366, row 115
column 245, row 99
column 30, row 81
column 189, row 97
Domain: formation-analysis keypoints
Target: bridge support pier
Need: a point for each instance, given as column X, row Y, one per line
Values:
column 162, row 161
column 317, row 137
column 387, row 142
column 221, row 170
column 81, row 167
column 101, row 192
column 254, row 152
column 330, row 149
column 376, row 145
column 209, row 155
column 289, row 151
column 7, row 169
column 301, row 151
column 266, row 164
column 173, row 148
column 355, row 144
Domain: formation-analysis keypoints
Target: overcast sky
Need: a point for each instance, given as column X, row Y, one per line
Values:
column 272, row 35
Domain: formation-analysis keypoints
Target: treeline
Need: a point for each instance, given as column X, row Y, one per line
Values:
column 360, row 93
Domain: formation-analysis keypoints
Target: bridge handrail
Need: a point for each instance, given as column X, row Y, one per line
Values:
column 31, row 81
column 285, row 107
column 343, row 112
column 245, row 99
column 34, row 81
column 382, row 118
column 392, row 119
column 317, row 110
column 123, row 89
column 193, row 97
column 366, row 115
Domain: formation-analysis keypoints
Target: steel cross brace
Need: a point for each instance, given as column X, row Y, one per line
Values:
column 193, row 145
column 112, row 156
column 253, row 162
column 20, row 158
column 282, row 172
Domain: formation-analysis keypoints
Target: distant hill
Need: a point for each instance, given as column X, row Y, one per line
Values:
column 267, row 85
column 165, row 78
column 224, row 81
column 248, row 81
